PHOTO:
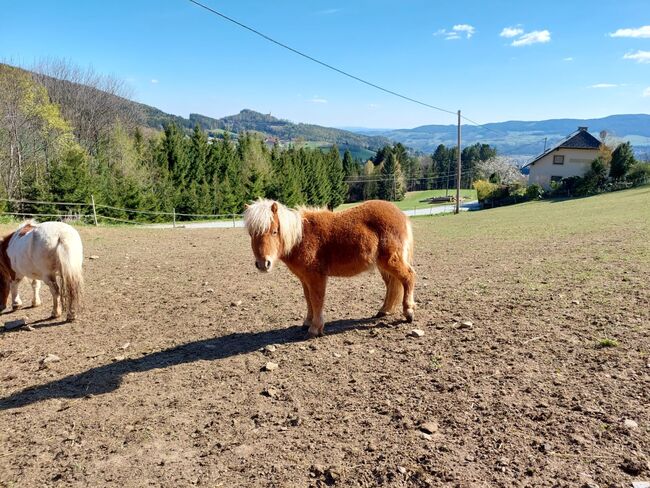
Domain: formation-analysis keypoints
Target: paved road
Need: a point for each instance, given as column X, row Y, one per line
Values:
column 433, row 210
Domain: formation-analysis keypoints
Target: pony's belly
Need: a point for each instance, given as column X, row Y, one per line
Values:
column 349, row 269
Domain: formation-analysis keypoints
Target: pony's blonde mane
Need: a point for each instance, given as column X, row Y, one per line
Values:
column 258, row 217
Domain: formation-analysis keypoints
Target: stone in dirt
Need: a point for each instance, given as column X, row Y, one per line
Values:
column 429, row 427
column 641, row 484
column 270, row 348
column 271, row 392
column 14, row 324
column 630, row 424
column 466, row 324
column 50, row 358
column 270, row 366
column 416, row 333
column 236, row 304
column 401, row 469
column 94, row 256
column 118, row 358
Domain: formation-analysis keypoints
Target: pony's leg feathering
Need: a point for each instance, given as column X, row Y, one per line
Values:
column 36, row 288
column 16, row 302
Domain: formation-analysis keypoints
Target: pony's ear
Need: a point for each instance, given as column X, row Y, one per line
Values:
column 246, row 205
column 274, row 207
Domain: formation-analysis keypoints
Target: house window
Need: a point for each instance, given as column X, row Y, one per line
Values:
column 558, row 159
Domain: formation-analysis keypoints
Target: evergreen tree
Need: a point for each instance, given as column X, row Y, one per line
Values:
column 350, row 166
column 338, row 186
column 370, row 183
column 198, row 155
column 391, row 185
column 622, row 161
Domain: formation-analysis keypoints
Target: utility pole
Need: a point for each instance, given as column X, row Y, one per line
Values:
column 458, row 170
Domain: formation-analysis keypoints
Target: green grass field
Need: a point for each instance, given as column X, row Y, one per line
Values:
column 412, row 199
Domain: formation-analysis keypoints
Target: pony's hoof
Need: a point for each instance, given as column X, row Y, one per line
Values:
column 381, row 314
column 55, row 316
column 306, row 324
column 409, row 315
column 36, row 304
column 70, row 318
column 16, row 306
column 313, row 332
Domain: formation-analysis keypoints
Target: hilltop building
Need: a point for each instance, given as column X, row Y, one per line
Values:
column 570, row 157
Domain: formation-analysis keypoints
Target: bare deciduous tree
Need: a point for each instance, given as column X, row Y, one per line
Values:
column 91, row 102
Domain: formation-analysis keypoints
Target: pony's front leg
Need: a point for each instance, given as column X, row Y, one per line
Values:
column 16, row 302
column 310, row 314
column 317, row 285
column 36, row 287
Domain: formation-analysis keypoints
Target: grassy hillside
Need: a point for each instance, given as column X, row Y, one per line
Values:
column 414, row 199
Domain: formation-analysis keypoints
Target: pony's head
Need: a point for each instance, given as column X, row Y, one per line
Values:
column 274, row 229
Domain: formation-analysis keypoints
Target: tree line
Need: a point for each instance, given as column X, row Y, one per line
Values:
column 68, row 134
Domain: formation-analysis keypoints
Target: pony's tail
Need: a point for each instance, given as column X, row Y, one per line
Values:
column 408, row 244
column 70, row 254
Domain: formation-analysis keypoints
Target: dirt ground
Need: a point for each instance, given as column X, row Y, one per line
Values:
column 161, row 381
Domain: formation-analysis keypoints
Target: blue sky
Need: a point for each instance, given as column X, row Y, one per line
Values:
column 494, row 60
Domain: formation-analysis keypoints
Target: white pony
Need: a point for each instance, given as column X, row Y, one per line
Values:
column 51, row 252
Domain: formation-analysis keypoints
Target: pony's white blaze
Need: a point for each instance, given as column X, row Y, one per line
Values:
column 51, row 252
column 258, row 218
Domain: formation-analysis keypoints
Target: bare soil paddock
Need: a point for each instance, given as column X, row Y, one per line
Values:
column 161, row 382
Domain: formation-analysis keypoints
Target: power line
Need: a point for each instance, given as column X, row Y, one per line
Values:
column 322, row 63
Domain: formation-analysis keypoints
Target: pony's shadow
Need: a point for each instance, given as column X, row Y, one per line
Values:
column 107, row 378
column 36, row 324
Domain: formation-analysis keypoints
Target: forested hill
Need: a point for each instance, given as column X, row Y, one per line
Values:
column 249, row 120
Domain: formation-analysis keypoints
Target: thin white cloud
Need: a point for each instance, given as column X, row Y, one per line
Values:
column 155, row 81
column 568, row 60
column 636, row 33
column 456, row 32
column 604, row 85
column 511, row 32
column 534, row 37
column 466, row 29
column 639, row 56
column 317, row 99
column 373, row 106
column 646, row 92
column 328, row 11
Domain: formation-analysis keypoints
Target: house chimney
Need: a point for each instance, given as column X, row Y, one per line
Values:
column 583, row 128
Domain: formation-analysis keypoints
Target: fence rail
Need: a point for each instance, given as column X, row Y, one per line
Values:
column 95, row 213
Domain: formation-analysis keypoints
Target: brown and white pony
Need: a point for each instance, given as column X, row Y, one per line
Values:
column 315, row 244
column 51, row 252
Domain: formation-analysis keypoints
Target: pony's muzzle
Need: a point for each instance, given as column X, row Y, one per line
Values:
column 264, row 265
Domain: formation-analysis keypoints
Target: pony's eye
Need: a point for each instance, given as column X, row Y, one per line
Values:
column 275, row 233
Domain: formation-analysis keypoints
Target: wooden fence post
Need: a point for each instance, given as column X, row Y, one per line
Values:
column 92, row 198
column 174, row 218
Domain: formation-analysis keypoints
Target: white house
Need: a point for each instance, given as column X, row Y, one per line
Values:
column 571, row 157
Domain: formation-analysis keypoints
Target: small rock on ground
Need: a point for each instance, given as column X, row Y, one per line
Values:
column 466, row 324
column 429, row 427
column 14, row 324
column 630, row 424
column 270, row 366
column 94, row 256
column 416, row 333
column 50, row 358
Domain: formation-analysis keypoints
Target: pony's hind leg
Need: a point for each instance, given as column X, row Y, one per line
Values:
column 310, row 313
column 393, row 297
column 403, row 273
column 57, row 306
column 316, row 288
column 36, row 287
column 16, row 302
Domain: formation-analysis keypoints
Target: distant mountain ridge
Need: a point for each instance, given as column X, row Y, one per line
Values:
column 521, row 138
